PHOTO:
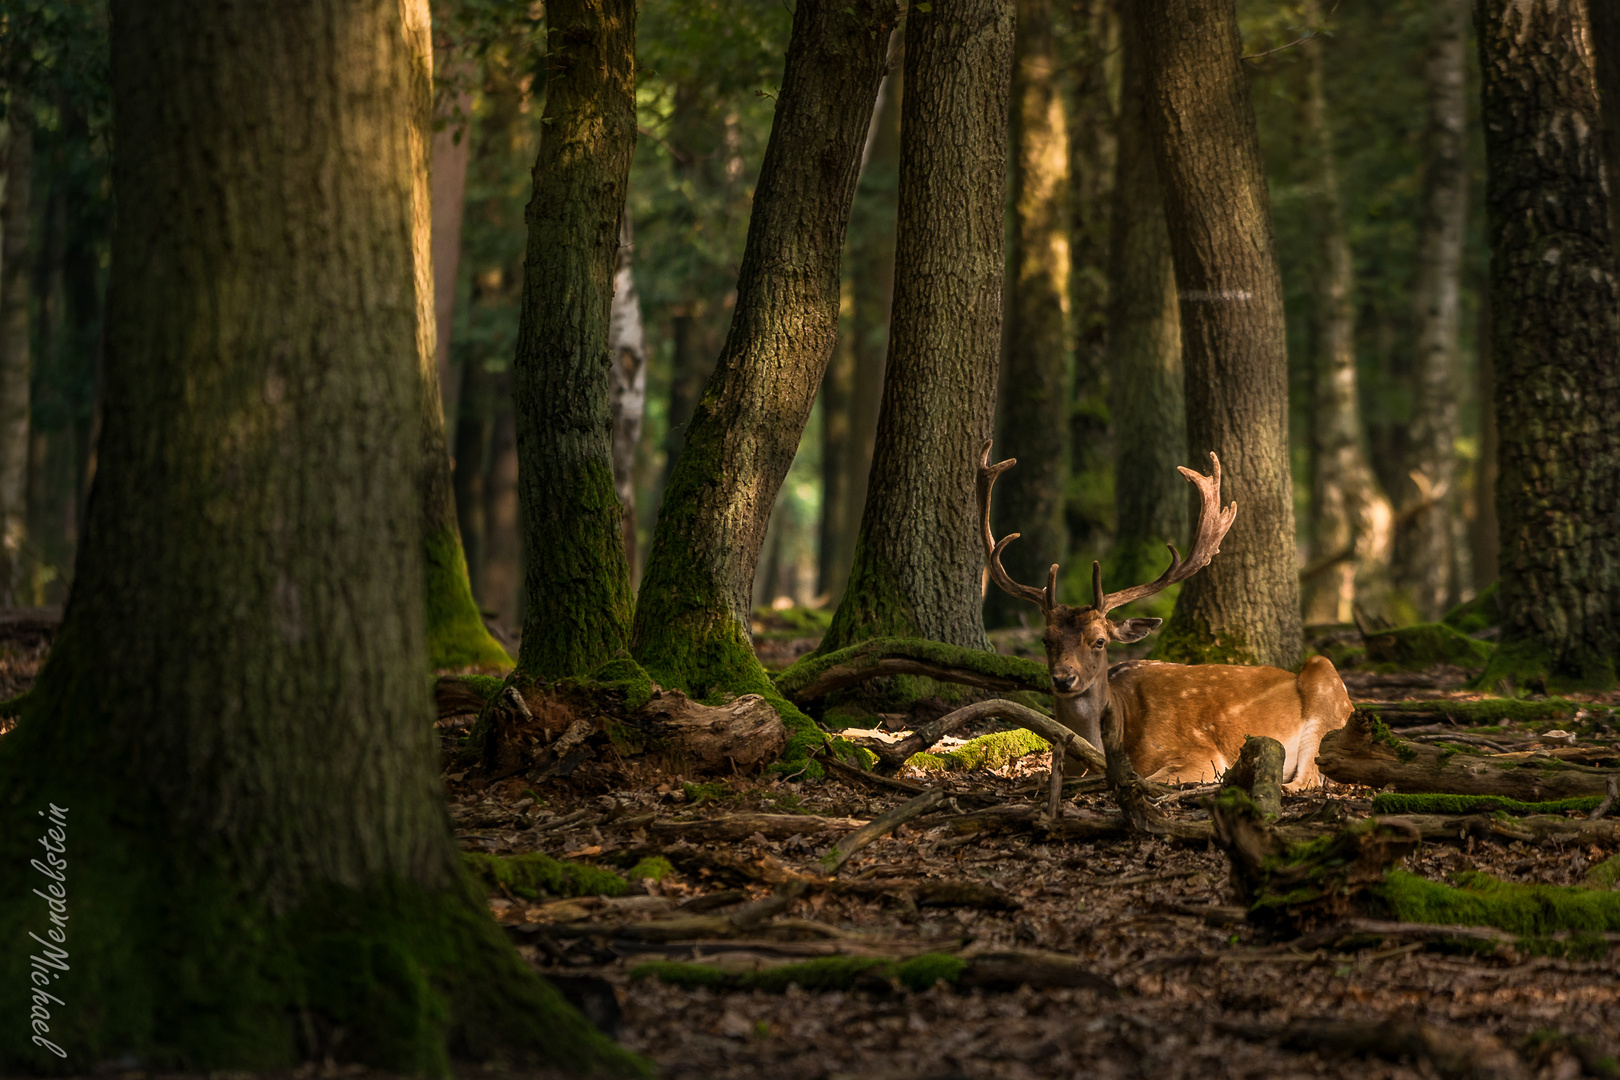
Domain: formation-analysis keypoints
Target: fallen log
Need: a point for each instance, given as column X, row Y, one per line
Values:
column 1537, row 829
column 1365, row 752
column 1491, row 711
column 1258, row 772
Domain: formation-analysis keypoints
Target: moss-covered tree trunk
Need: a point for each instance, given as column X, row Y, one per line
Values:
column 576, row 582
column 1352, row 525
column 1144, row 348
column 1425, row 563
column 1093, row 45
column 1554, row 345
column 1244, row 606
column 691, row 626
column 919, row 560
column 16, row 273
column 1035, row 378
column 228, row 755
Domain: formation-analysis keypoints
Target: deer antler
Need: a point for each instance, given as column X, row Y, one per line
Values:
column 1046, row 598
column 1213, row 522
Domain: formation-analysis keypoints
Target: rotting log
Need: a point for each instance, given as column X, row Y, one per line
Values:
column 1258, row 771
column 817, row 676
column 1538, row 829
column 1365, row 752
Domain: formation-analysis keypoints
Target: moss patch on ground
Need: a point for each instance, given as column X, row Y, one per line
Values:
column 1424, row 645
column 1523, row 666
column 918, row 973
column 1475, row 804
column 1478, row 899
column 534, row 876
column 990, row 751
column 1481, row 613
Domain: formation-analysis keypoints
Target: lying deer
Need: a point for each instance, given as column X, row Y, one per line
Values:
column 1181, row 722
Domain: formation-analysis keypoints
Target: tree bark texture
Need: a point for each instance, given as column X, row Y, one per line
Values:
column 1424, row 548
column 16, row 271
column 919, row 559
column 1244, row 607
column 232, row 727
column 1093, row 123
column 476, row 404
column 576, row 583
column 627, row 342
column 1035, row 386
column 870, row 262
column 1147, row 398
column 1604, row 19
column 452, row 150
column 692, row 628
column 1554, row 339
column 1352, row 524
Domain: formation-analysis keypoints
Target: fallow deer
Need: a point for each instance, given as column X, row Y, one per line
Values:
column 1181, row 722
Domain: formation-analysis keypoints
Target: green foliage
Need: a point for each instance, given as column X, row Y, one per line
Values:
column 535, row 875
column 1392, row 803
column 1481, row 613
column 991, row 751
column 917, row 973
column 1481, row 900
column 1426, row 644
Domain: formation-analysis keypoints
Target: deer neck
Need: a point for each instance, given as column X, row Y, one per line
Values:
column 1082, row 713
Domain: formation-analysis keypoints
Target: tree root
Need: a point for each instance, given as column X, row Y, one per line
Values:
column 817, row 676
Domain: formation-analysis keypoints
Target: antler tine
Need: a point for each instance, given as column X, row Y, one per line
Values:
column 993, row 547
column 1213, row 523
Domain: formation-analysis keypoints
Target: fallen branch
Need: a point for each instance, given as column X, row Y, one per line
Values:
column 1608, row 799
column 733, row 827
column 817, row 676
column 835, row 859
column 1540, row 829
column 1436, row 932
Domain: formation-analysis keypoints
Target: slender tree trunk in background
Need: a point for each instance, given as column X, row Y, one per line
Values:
column 452, row 149
column 1244, row 607
column 1352, row 525
column 871, row 283
column 1604, row 18
column 501, row 588
column 1147, row 396
column 476, row 403
column 1424, row 546
column 1035, row 386
column 1484, row 540
column 576, row 605
column 16, row 265
column 919, row 559
column 689, row 370
column 627, row 344
column 242, row 663
column 1092, row 151
column 837, row 389
column 1554, row 343
column 692, row 614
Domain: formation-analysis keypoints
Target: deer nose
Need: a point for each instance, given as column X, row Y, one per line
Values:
column 1064, row 682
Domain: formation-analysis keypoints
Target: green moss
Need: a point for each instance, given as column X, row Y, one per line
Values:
column 1426, row 644
column 1522, row 665
column 535, row 875
column 1188, row 640
column 1480, row 900
column 830, row 973
column 1493, row 710
column 991, row 751
column 1474, row 804
column 622, row 675
column 456, row 634
column 1381, row 734
column 711, row 791
column 652, row 868
column 1603, row 875
column 867, row 654
column 794, row 622
column 873, row 606
column 1481, row 613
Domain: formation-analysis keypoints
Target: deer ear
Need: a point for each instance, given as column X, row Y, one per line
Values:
column 1129, row 630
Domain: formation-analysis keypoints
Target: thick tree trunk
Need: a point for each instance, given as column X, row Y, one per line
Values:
column 1424, row 548
column 1554, row 340
column 16, row 269
column 1093, row 123
column 1352, row 525
column 1604, row 17
column 1244, row 607
column 501, row 588
column 627, row 344
column 241, row 663
column 691, row 627
column 1035, row 379
column 919, row 560
column 871, row 283
column 1147, row 396
column 576, row 583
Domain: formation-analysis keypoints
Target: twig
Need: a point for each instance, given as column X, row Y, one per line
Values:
column 1608, row 800
column 1298, row 41
column 840, row 854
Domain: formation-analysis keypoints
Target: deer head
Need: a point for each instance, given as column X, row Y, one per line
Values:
column 1077, row 638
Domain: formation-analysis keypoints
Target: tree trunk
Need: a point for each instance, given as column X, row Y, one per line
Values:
column 501, row 588
column 1485, row 538
column 919, row 560
column 1147, row 398
column 452, row 149
column 1092, row 163
column 241, row 663
column 1424, row 549
column 871, row 282
column 576, row 583
column 1604, row 17
column 1244, row 607
column 1035, row 388
column 691, row 626
column 835, row 532
column 16, row 267
column 627, row 344
column 1351, row 520
column 1554, row 339
column 476, row 403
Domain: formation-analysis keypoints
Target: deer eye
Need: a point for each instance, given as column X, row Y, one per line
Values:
column 1099, row 644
